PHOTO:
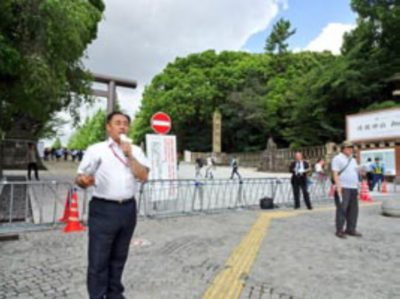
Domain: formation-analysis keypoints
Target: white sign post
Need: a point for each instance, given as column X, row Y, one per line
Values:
column 373, row 126
column 161, row 151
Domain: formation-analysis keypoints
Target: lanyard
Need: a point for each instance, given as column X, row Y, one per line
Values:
column 118, row 157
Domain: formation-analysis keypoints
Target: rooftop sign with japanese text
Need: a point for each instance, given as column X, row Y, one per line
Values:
column 374, row 126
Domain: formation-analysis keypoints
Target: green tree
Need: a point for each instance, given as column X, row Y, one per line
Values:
column 57, row 143
column 298, row 98
column 41, row 44
column 255, row 100
column 276, row 41
column 92, row 131
column 355, row 81
column 190, row 89
column 372, row 48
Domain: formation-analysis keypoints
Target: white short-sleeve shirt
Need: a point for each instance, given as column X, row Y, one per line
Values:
column 114, row 179
column 349, row 177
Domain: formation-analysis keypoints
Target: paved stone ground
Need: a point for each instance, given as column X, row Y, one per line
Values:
column 299, row 258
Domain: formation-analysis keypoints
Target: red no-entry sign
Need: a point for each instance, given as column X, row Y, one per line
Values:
column 161, row 123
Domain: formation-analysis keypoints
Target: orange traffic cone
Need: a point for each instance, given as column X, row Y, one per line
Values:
column 73, row 224
column 364, row 193
column 384, row 187
column 64, row 218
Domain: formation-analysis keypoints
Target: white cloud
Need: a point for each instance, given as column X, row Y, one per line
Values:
column 284, row 4
column 330, row 38
column 138, row 38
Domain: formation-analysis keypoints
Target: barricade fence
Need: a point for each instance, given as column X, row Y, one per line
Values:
column 34, row 203
column 31, row 203
column 172, row 197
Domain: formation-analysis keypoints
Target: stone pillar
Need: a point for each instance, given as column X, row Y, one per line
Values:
column 216, row 136
column 111, row 97
column 330, row 151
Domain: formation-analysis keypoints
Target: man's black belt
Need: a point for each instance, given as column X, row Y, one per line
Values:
column 116, row 201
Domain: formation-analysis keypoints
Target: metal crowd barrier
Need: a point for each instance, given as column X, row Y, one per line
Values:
column 25, row 204
column 172, row 197
column 32, row 203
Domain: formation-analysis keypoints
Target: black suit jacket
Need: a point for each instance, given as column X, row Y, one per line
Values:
column 299, row 177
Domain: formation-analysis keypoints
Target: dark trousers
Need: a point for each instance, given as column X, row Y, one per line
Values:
column 33, row 166
column 111, row 227
column 235, row 171
column 347, row 210
column 370, row 179
column 377, row 179
column 297, row 184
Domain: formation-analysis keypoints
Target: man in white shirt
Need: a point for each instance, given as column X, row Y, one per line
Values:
column 346, row 178
column 113, row 168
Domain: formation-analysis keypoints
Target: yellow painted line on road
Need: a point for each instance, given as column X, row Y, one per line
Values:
column 229, row 283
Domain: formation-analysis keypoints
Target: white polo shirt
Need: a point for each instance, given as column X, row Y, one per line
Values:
column 349, row 177
column 114, row 179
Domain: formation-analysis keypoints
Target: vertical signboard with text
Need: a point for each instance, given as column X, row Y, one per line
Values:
column 161, row 151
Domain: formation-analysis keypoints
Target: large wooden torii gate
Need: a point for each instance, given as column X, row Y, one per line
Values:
column 13, row 149
column 111, row 93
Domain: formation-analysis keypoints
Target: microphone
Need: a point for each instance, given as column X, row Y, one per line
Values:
column 125, row 138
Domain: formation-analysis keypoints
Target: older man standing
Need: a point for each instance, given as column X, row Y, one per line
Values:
column 113, row 167
column 346, row 178
column 299, row 169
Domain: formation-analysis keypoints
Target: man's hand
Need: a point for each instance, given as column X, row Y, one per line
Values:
column 339, row 190
column 338, row 186
column 84, row 181
column 127, row 149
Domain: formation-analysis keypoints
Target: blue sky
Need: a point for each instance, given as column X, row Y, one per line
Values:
column 309, row 17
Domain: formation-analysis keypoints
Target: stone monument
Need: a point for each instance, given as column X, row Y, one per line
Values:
column 217, row 122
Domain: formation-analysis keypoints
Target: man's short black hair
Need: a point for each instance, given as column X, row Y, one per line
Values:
column 112, row 114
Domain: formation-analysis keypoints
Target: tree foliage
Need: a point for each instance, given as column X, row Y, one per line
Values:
column 41, row 44
column 92, row 131
column 355, row 81
column 299, row 99
column 281, row 32
column 250, row 93
column 57, row 144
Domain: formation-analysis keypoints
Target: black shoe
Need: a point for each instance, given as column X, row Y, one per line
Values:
column 354, row 234
column 340, row 234
column 310, row 208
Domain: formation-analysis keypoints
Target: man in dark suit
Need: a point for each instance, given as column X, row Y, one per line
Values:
column 299, row 169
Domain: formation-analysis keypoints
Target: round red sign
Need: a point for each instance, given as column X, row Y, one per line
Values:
column 161, row 123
